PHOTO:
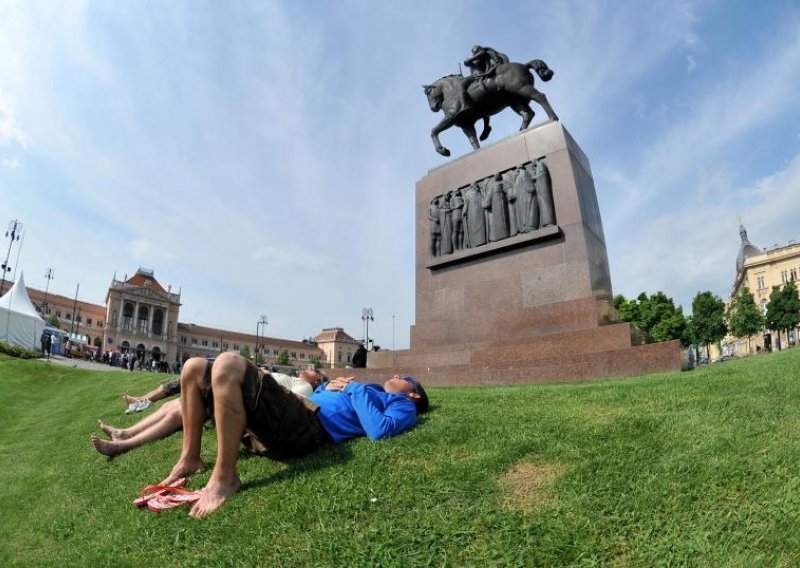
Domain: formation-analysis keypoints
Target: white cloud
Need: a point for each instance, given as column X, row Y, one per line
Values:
column 10, row 163
column 694, row 247
column 696, row 140
column 289, row 257
column 149, row 253
column 690, row 64
column 10, row 130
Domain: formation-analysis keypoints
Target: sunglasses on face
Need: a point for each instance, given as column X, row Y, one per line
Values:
column 411, row 380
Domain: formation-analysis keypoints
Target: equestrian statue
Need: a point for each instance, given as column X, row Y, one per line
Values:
column 494, row 83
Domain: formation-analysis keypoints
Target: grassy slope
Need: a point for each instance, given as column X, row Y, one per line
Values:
column 692, row 468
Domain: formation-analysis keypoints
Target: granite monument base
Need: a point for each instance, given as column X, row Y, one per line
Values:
column 522, row 292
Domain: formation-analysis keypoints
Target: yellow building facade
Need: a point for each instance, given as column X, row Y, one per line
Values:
column 760, row 270
column 337, row 347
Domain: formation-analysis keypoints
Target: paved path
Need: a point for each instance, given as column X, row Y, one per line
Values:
column 83, row 364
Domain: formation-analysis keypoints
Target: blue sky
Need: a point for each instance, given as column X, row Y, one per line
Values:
column 262, row 156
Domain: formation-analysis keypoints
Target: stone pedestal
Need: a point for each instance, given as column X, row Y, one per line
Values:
column 535, row 306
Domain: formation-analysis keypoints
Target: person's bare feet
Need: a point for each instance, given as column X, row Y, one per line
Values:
column 184, row 468
column 113, row 433
column 128, row 399
column 108, row 448
column 214, row 496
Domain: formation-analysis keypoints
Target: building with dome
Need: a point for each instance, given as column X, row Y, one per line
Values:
column 759, row 270
column 141, row 316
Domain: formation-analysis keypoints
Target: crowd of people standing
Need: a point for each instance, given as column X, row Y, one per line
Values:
column 132, row 362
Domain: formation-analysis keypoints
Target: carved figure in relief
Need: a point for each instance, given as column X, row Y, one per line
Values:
column 544, row 195
column 446, row 222
column 495, row 204
column 457, row 210
column 527, row 208
column 434, row 226
column 511, row 197
column 475, row 233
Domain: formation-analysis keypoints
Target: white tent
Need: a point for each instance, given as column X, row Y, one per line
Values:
column 20, row 324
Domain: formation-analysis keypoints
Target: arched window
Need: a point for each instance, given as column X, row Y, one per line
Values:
column 156, row 353
column 141, row 324
column 98, row 341
column 158, row 322
column 127, row 316
column 125, row 346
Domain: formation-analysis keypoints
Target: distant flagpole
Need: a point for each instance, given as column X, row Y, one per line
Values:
column 74, row 305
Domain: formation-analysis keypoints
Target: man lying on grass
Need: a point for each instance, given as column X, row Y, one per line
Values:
column 248, row 405
column 167, row 420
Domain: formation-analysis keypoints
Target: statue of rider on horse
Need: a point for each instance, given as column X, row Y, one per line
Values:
column 494, row 84
column 484, row 60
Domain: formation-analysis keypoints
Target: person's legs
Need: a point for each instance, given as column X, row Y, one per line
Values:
column 227, row 379
column 153, row 396
column 168, row 409
column 193, row 413
column 168, row 422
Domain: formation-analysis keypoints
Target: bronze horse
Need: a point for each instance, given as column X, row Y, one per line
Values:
column 464, row 100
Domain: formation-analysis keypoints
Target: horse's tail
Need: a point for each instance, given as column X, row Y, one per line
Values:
column 541, row 68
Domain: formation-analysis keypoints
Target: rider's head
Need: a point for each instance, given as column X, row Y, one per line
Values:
column 476, row 49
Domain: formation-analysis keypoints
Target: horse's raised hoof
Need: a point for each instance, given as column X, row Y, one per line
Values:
column 443, row 151
column 485, row 134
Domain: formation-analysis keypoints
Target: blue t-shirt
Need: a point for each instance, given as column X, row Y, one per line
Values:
column 363, row 410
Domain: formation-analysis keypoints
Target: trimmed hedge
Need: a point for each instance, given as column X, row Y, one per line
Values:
column 17, row 351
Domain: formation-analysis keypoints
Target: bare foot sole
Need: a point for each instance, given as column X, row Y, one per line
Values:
column 108, row 448
column 183, row 469
column 214, row 496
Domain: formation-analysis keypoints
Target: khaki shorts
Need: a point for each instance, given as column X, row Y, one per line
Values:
column 280, row 424
column 171, row 387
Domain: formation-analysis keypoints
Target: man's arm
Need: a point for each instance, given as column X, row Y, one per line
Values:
column 381, row 421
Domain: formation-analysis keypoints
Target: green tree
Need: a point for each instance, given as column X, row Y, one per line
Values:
column 628, row 310
column 708, row 319
column 656, row 315
column 743, row 317
column 244, row 351
column 315, row 360
column 53, row 320
column 783, row 310
column 283, row 358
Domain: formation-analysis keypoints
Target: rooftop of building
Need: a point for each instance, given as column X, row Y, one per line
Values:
column 746, row 249
column 751, row 256
column 86, row 308
column 145, row 279
column 333, row 334
column 201, row 330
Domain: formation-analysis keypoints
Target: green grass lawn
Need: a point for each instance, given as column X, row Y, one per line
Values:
column 697, row 468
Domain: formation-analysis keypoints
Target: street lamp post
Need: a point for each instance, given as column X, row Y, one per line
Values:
column 366, row 317
column 262, row 322
column 74, row 307
column 14, row 232
column 49, row 275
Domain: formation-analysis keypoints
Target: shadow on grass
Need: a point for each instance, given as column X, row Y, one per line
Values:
column 321, row 459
